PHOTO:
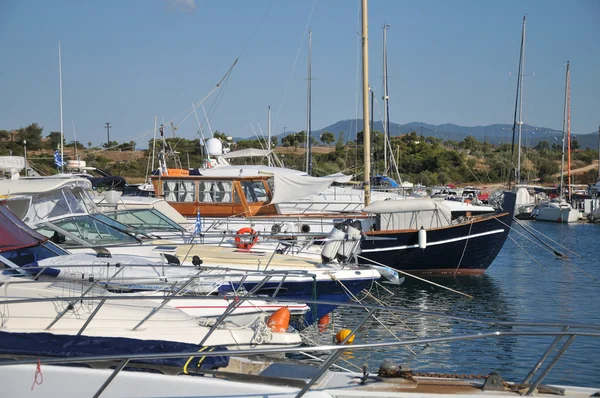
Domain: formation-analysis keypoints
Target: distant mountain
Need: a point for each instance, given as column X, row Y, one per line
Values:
column 493, row 133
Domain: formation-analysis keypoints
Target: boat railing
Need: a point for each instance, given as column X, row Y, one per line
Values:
column 238, row 299
column 563, row 333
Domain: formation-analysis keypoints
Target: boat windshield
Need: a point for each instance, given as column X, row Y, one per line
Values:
column 148, row 219
column 32, row 254
column 94, row 231
column 58, row 203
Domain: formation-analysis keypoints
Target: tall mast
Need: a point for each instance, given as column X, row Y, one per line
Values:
column 386, row 127
column 61, row 106
column 365, row 100
column 522, row 77
column 269, row 134
column 562, row 164
column 569, row 132
column 308, row 110
column 598, row 153
column 519, row 105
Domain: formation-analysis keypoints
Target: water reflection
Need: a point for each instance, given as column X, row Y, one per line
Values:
column 516, row 288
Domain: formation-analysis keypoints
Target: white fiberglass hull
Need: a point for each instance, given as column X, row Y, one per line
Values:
column 119, row 318
column 75, row 382
column 556, row 212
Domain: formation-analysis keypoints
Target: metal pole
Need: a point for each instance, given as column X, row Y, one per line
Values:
column 62, row 139
column 385, row 101
column 308, row 109
column 521, row 76
column 25, row 155
column 365, row 96
column 269, row 132
column 108, row 127
column 562, row 163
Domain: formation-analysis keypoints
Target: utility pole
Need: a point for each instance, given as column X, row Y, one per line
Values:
column 107, row 127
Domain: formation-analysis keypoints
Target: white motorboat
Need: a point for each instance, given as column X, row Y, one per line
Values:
column 65, row 316
column 556, row 210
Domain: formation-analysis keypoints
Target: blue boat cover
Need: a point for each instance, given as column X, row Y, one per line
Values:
column 64, row 346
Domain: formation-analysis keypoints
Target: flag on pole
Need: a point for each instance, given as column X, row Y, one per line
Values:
column 58, row 160
column 198, row 227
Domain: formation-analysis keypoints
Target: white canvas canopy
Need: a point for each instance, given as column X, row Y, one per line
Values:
column 52, row 197
column 247, row 153
column 289, row 188
column 410, row 214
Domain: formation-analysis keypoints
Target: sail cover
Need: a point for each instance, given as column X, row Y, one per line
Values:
column 15, row 234
column 289, row 188
column 246, row 153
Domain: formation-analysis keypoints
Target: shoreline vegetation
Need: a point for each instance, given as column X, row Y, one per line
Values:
column 425, row 160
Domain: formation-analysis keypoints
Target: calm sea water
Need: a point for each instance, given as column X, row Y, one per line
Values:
column 515, row 288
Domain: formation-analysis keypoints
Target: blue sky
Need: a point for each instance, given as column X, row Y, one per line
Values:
column 125, row 62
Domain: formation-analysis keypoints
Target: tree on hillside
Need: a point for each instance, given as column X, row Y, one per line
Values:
column 469, row 143
column 300, row 139
column 574, row 144
column 546, row 170
column 110, row 145
column 33, row 135
column 53, row 140
column 72, row 145
column 127, row 146
column 220, row 135
column 288, row 140
column 327, row 138
column 542, row 146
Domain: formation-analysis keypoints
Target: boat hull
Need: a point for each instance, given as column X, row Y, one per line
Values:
column 330, row 290
column 560, row 214
column 468, row 248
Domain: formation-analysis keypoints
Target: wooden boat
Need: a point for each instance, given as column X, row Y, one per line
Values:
column 216, row 196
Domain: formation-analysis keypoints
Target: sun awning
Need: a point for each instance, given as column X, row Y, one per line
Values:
column 15, row 234
column 289, row 188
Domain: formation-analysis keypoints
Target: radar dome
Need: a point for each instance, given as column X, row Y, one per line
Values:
column 214, row 146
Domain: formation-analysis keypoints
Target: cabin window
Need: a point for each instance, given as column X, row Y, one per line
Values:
column 179, row 191
column 214, row 191
column 254, row 191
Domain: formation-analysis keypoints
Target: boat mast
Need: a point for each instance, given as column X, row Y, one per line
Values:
column 269, row 134
column 61, row 106
column 562, row 164
column 308, row 110
column 365, row 100
column 569, row 185
column 598, row 153
column 386, row 110
column 519, row 104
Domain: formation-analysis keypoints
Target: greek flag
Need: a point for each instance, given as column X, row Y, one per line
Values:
column 58, row 160
column 198, row 227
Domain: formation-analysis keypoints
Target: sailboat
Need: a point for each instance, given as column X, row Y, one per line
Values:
column 418, row 235
column 558, row 209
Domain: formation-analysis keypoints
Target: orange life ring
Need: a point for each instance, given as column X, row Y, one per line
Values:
column 246, row 245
